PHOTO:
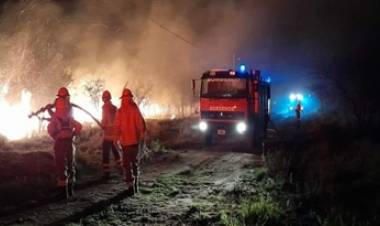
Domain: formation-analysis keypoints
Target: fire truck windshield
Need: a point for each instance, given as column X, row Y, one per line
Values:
column 224, row 88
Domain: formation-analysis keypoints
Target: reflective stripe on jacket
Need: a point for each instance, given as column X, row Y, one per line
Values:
column 63, row 127
column 129, row 124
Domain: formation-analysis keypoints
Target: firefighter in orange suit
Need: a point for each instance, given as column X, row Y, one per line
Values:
column 108, row 117
column 62, row 128
column 130, row 130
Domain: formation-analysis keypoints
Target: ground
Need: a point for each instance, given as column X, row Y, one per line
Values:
column 309, row 175
column 185, row 185
column 190, row 187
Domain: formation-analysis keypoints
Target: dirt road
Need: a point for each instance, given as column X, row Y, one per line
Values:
column 183, row 187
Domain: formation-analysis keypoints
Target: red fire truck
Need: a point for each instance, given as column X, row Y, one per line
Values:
column 234, row 103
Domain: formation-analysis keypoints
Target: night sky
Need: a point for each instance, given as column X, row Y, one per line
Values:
column 292, row 41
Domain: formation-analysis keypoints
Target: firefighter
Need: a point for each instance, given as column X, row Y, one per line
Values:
column 63, row 94
column 130, row 131
column 298, row 111
column 62, row 128
column 108, row 117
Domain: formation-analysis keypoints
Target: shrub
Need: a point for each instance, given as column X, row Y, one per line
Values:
column 259, row 212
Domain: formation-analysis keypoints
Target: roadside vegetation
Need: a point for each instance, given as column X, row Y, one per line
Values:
column 322, row 173
column 267, row 205
column 331, row 171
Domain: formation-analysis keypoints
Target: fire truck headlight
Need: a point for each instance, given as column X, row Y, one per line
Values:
column 203, row 126
column 241, row 127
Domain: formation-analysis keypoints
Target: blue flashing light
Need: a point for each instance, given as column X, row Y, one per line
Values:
column 242, row 68
column 292, row 97
column 268, row 79
column 283, row 107
column 296, row 96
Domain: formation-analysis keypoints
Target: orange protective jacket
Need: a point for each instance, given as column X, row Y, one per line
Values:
column 108, row 118
column 129, row 124
column 63, row 127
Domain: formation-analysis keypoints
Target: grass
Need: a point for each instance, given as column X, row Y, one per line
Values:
column 151, row 150
column 265, row 206
column 259, row 212
column 340, row 220
column 253, row 200
column 330, row 170
column 163, row 188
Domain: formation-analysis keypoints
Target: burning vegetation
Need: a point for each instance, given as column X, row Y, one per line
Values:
column 315, row 96
column 48, row 44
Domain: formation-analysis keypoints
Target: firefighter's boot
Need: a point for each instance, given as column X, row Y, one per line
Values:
column 130, row 189
column 62, row 193
column 106, row 176
column 120, row 170
column 70, row 189
column 135, row 186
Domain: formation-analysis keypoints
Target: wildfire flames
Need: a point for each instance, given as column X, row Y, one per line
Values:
column 14, row 121
column 16, row 125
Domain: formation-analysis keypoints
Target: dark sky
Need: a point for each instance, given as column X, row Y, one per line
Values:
column 301, row 37
column 300, row 32
column 292, row 40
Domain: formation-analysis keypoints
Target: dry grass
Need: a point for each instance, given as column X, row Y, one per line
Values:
column 333, row 169
column 30, row 163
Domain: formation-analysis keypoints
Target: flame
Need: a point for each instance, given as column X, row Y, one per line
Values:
column 15, row 124
column 149, row 110
column 85, row 102
column 153, row 110
column 14, row 121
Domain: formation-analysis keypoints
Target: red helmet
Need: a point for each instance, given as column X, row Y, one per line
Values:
column 126, row 93
column 63, row 92
column 106, row 95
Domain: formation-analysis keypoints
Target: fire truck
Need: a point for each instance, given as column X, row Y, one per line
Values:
column 234, row 103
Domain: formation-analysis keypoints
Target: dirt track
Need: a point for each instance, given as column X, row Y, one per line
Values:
column 178, row 187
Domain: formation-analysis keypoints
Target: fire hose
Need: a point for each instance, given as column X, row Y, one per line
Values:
column 89, row 114
column 50, row 106
column 142, row 146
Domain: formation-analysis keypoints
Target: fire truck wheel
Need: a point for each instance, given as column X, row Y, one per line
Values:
column 250, row 141
column 208, row 139
column 257, row 147
column 254, row 145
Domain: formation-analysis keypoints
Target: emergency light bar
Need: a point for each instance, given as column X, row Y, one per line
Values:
column 230, row 73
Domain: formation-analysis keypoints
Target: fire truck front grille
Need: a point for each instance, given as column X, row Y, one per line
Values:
column 226, row 115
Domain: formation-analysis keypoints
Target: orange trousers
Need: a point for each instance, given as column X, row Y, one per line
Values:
column 65, row 162
column 108, row 147
column 130, row 162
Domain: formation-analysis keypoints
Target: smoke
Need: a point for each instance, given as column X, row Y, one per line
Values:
column 158, row 45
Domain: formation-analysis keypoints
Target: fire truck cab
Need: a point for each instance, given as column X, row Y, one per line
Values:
column 234, row 103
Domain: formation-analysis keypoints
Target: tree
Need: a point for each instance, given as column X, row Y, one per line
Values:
column 94, row 89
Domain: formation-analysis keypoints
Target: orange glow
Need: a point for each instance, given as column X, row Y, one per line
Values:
column 14, row 120
column 16, row 125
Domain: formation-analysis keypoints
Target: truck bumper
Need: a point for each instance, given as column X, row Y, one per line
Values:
column 225, row 128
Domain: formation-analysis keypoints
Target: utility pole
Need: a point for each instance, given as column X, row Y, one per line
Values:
column 233, row 61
